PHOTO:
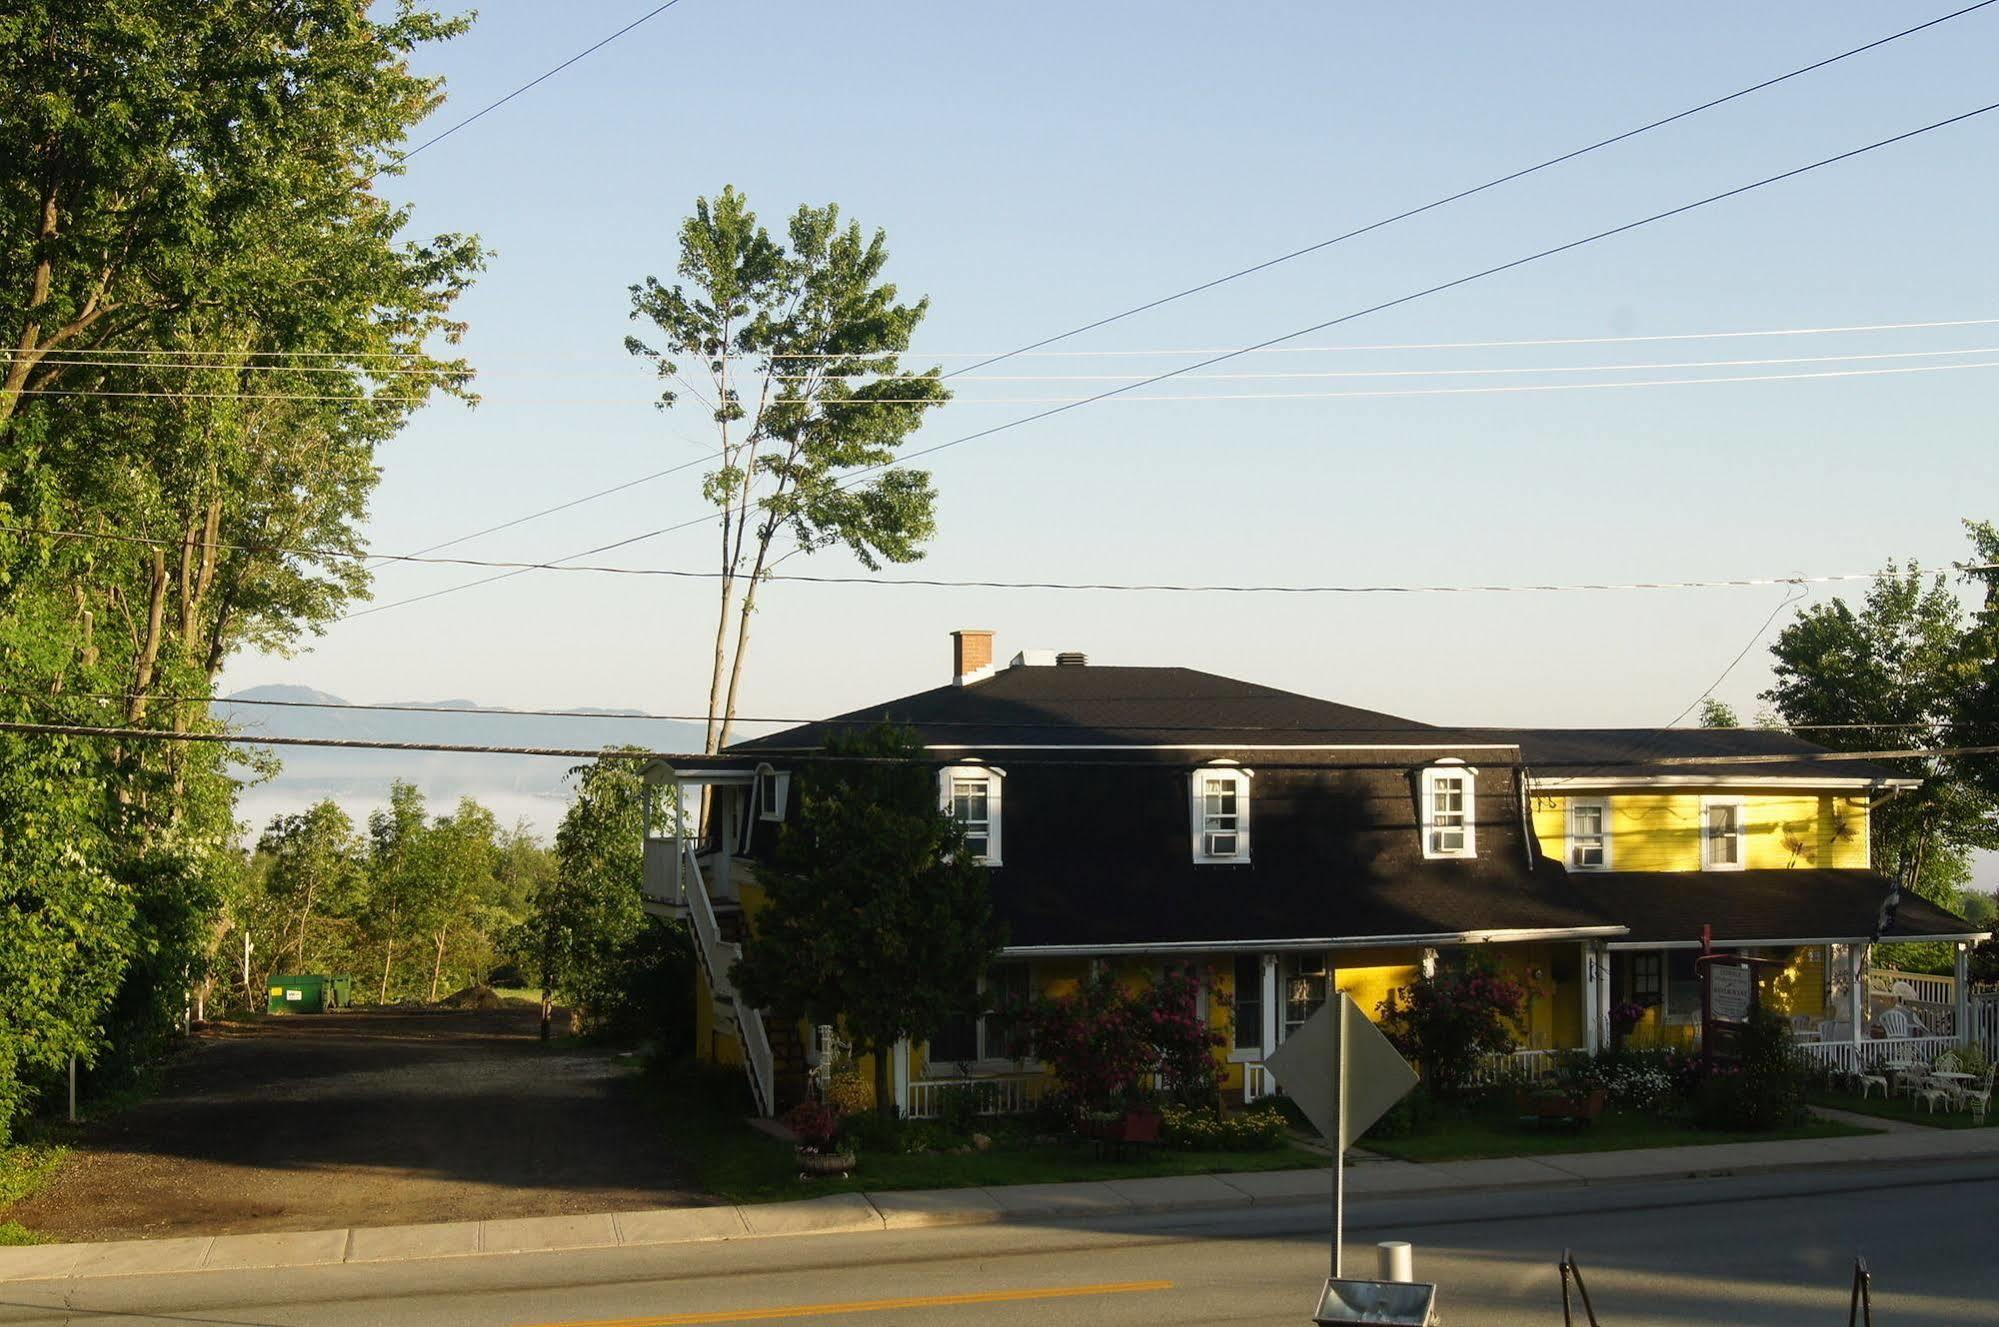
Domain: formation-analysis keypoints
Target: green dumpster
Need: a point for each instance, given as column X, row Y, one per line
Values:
column 309, row 993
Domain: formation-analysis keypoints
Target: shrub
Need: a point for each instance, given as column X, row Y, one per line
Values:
column 961, row 1104
column 1195, row 1129
column 1184, row 1041
column 1764, row 1088
column 847, row 1091
column 1650, row 1081
column 1102, row 1039
column 870, row 1131
column 1449, row 1021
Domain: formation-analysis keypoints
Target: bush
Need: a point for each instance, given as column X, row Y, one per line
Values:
column 1448, row 1022
column 1649, row 1081
column 960, row 1105
column 847, row 1091
column 815, row 1123
column 871, row 1131
column 1198, row 1130
column 1102, row 1039
column 1764, row 1088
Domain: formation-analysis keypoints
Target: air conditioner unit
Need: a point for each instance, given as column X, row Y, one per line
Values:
column 1220, row 843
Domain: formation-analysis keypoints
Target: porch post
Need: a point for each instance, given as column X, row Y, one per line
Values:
column 1270, row 1012
column 899, row 1076
column 1962, row 994
column 1856, row 995
column 1593, row 981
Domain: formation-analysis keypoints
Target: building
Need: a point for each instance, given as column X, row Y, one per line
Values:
column 1293, row 847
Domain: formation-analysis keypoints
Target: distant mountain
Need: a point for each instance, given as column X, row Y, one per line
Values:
column 531, row 788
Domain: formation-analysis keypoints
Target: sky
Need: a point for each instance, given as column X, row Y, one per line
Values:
column 1039, row 165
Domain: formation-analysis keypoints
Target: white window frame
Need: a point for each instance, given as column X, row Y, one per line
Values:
column 1197, row 806
column 1602, row 807
column 1708, row 837
column 1432, row 776
column 995, row 781
column 986, row 1063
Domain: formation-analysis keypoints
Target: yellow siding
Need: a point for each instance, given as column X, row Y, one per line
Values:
column 1552, row 1017
column 1662, row 831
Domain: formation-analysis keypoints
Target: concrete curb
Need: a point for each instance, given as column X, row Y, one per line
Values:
column 850, row 1213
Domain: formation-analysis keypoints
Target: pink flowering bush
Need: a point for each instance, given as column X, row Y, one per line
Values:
column 1448, row 1022
column 1101, row 1040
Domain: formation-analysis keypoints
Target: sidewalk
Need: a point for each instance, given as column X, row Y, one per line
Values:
column 910, row 1209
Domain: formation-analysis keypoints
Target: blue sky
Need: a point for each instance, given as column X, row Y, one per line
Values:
column 1037, row 165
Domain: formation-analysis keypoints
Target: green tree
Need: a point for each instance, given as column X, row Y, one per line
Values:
column 875, row 917
column 800, row 348
column 397, row 873
column 314, row 864
column 1896, row 672
column 1718, row 714
column 458, row 860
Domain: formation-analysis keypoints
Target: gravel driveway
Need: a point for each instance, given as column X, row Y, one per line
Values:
column 367, row 1119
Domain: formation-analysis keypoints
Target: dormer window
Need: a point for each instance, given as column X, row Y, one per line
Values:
column 1221, row 815
column 1589, row 835
column 1449, row 829
column 970, row 795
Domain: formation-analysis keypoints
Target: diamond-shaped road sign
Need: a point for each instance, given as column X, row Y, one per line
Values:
column 1306, row 1066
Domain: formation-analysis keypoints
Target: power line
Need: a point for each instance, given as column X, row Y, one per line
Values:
column 930, row 582
column 613, row 753
column 1209, row 362
column 502, row 712
column 646, row 17
column 1353, row 348
column 1799, row 592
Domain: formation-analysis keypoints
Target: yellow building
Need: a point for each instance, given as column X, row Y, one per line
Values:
column 1289, row 847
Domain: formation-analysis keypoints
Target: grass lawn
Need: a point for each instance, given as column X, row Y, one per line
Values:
column 24, row 1169
column 735, row 1162
column 1467, row 1137
column 1898, row 1108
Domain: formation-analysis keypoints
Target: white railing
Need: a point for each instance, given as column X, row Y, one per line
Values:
column 1923, row 988
column 717, row 956
column 1505, row 1065
column 1257, row 1083
column 1855, row 1056
column 1984, row 1027
column 1009, row 1095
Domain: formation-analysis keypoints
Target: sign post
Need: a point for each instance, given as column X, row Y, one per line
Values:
column 1729, row 997
column 1344, row 1075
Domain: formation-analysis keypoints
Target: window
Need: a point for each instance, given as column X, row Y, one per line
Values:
column 1589, row 836
column 772, row 791
column 1448, row 828
column 1683, row 985
column 1221, row 815
column 1648, row 985
column 968, row 1037
column 1248, row 1002
column 970, row 794
column 1306, row 979
column 1721, row 834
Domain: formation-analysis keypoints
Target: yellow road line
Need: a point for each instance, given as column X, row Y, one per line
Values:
column 869, row 1305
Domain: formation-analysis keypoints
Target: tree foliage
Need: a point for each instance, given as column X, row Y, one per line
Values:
column 799, row 345
column 1905, row 668
column 210, row 323
column 876, row 918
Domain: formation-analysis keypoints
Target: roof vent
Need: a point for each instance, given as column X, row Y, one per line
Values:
column 1034, row 659
column 1071, row 659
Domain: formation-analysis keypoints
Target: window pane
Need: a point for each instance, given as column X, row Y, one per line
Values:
column 1683, row 984
column 1305, row 977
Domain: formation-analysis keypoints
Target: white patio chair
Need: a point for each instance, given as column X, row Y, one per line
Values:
column 1869, row 1081
column 1896, row 1022
column 1979, row 1098
column 1804, row 1028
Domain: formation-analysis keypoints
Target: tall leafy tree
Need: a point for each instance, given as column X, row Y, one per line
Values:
column 1897, row 671
column 315, row 866
column 799, row 346
column 398, row 874
column 459, row 859
column 876, row 918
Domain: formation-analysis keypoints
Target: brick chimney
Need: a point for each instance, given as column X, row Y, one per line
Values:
column 971, row 656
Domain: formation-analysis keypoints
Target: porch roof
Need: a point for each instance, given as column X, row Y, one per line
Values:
column 1780, row 906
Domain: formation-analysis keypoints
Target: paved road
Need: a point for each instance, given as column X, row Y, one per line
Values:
column 367, row 1118
column 1772, row 1250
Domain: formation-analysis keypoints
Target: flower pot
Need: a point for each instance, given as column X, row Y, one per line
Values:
column 826, row 1163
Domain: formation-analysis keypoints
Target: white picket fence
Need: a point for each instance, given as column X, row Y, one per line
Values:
column 1922, row 987
column 1854, row 1056
column 1003, row 1096
column 1514, row 1066
column 1984, row 1023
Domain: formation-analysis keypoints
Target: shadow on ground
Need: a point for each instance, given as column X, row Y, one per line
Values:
column 367, row 1118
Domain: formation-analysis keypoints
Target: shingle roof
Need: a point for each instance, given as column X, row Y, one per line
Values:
column 1594, row 753
column 1071, row 706
column 1762, row 905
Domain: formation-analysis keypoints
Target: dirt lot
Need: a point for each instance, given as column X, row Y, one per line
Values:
column 366, row 1119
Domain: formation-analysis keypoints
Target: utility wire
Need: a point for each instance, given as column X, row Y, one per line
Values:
column 1799, row 592
column 870, row 721
column 646, row 17
column 593, row 753
column 931, row 582
column 1209, row 362
column 1416, row 211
